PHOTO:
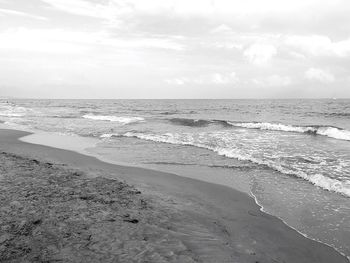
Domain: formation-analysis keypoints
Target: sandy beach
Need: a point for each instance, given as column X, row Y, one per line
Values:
column 62, row 206
column 212, row 131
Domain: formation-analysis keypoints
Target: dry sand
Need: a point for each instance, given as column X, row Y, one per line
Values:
column 61, row 206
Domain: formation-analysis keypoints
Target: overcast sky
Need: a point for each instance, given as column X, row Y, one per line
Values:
column 175, row 48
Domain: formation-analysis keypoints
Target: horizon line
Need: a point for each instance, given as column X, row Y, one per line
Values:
column 306, row 98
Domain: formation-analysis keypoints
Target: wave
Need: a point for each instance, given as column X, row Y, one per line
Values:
column 236, row 167
column 197, row 122
column 10, row 114
column 329, row 131
column 109, row 135
column 178, row 112
column 319, row 180
column 338, row 114
column 171, row 163
column 63, row 116
column 190, row 122
column 168, row 112
column 12, row 111
column 122, row 120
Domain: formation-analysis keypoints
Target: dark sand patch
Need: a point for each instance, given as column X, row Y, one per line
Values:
column 55, row 214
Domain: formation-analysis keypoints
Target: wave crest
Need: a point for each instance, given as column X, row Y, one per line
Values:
column 122, row 120
column 329, row 131
column 190, row 122
column 12, row 111
column 316, row 179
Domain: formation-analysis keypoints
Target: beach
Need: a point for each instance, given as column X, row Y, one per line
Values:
column 59, row 205
column 175, row 131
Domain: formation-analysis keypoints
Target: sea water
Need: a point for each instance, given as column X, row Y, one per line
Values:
column 292, row 156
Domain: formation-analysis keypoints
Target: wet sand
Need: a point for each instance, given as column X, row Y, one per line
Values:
column 58, row 205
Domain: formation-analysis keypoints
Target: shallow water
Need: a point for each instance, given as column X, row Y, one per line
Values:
column 292, row 155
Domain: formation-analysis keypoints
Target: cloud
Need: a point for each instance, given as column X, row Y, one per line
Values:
column 109, row 11
column 66, row 41
column 222, row 29
column 193, row 7
column 176, row 81
column 273, row 81
column 317, row 45
column 44, row 41
column 252, row 13
column 213, row 78
column 184, row 43
column 319, row 75
column 22, row 14
column 260, row 54
column 218, row 78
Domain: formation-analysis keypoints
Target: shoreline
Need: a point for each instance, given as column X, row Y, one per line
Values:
column 195, row 192
column 81, row 144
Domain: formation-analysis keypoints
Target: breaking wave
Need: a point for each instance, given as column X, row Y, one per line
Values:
column 12, row 111
column 190, row 122
column 329, row 131
column 322, row 181
column 122, row 120
column 338, row 114
column 197, row 122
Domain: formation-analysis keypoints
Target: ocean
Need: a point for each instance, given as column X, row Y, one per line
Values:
column 292, row 156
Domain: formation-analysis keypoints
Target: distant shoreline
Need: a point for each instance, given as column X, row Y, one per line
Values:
column 13, row 98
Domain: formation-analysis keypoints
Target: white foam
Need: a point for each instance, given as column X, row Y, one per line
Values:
column 334, row 133
column 271, row 126
column 122, row 120
column 107, row 135
column 331, row 132
column 318, row 179
column 12, row 111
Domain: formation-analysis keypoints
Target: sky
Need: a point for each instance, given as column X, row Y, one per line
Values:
column 188, row 49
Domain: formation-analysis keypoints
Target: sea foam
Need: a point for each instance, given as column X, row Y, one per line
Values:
column 122, row 120
column 319, row 180
column 329, row 131
column 12, row 111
